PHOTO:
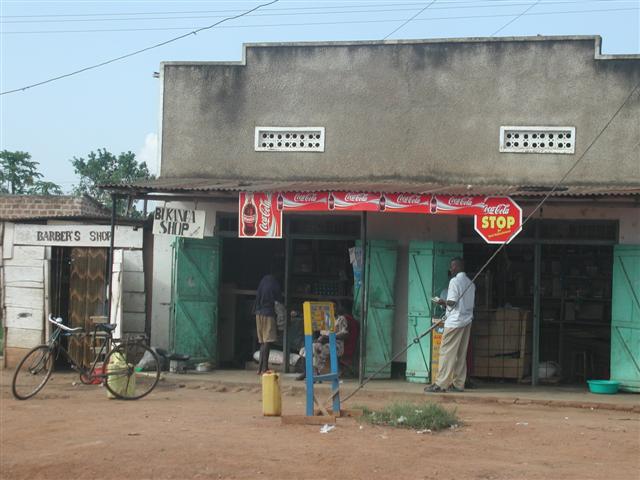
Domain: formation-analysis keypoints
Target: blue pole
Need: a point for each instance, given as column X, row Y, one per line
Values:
column 308, row 359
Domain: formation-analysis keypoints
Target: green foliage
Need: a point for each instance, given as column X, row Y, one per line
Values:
column 103, row 167
column 421, row 416
column 19, row 175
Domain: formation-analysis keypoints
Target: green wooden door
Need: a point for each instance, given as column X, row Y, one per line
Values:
column 380, row 280
column 625, row 317
column 194, row 326
column 428, row 267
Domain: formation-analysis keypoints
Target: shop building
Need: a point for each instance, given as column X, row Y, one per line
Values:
column 55, row 260
column 455, row 120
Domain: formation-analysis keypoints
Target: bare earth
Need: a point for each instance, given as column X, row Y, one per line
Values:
column 205, row 431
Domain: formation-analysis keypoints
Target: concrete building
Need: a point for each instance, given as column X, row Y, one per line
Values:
column 475, row 117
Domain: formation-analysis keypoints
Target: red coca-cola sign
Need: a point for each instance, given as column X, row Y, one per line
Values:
column 259, row 215
column 407, row 203
column 500, row 220
column 304, row 201
column 456, row 205
column 357, row 201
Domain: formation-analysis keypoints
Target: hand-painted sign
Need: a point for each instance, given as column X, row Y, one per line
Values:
column 179, row 222
column 500, row 220
column 76, row 235
column 259, row 215
column 497, row 219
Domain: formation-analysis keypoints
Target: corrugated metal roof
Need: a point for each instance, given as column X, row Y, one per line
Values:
column 211, row 185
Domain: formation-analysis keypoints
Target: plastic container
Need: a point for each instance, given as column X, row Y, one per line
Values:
column 271, row 398
column 607, row 387
column 122, row 384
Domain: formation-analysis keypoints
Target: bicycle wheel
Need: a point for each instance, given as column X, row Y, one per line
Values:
column 33, row 372
column 124, row 378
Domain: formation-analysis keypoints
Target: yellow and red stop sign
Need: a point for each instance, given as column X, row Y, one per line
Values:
column 500, row 220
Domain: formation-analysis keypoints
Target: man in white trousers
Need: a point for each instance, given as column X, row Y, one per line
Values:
column 461, row 296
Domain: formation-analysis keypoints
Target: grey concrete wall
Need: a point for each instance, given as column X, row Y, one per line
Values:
column 416, row 110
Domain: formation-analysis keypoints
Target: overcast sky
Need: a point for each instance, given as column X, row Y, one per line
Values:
column 116, row 106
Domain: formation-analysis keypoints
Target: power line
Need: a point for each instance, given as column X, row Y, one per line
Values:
column 300, row 24
column 194, row 32
column 516, row 18
column 394, row 31
column 295, row 11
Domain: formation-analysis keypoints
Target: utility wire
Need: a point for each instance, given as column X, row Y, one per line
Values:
column 516, row 18
column 295, row 11
column 297, row 24
column 394, row 31
column 501, row 247
column 137, row 52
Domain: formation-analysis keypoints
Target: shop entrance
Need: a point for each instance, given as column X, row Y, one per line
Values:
column 575, row 264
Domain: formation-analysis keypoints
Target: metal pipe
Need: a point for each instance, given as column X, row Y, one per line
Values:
column 285, row 336
column 114, row 202
column 535, row 360
column 363, row 300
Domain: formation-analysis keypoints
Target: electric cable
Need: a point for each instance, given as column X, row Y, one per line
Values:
column 502, row 246
column 409, row 20
column 194, row 32
column 516, row 18
column 306, row 24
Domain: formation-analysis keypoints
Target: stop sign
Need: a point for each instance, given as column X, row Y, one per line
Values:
column 500, row 220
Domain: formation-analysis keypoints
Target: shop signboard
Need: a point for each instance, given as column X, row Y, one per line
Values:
column 179, row 222
column 497, row 219
column 259, row 215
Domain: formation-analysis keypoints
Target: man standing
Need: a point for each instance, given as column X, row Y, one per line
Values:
column 457, row 329
column 266, row 296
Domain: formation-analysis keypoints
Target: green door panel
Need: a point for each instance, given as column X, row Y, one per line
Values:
column 380, row 278
column 428, row 267
column 194, row 325
column 625, row 317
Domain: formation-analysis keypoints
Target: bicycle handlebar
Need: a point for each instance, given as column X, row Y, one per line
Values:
column 58, row 323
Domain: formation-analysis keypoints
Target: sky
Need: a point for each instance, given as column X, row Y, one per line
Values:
column 116, row 106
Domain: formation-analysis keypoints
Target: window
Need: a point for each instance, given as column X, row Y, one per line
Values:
column 538, row 139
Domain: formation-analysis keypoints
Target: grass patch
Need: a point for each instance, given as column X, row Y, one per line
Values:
column 417, row 416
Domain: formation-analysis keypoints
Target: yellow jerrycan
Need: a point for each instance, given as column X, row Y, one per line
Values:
column 120, row 383
column 271, row 398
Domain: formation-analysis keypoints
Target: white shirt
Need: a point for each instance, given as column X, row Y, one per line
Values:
column 461, row 314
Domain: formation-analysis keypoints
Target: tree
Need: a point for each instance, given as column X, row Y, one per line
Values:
column 104, row 167
column 19, row 175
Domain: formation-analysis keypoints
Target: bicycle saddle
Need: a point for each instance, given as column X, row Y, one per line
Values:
column 106, row 327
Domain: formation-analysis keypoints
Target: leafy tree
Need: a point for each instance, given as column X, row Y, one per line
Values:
column 19, row 175
column 104, row 167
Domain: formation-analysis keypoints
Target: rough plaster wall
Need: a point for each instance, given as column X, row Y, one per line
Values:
column 420, row 111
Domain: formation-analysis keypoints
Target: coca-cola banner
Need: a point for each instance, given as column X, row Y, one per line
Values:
column 259, row 216
column 497, row 219
column 302, row 201
column 355, row 201
column 500, row 220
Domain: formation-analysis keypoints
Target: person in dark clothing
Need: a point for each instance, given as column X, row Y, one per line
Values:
column 267, row 294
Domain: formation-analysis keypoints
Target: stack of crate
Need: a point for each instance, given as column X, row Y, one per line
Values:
column 501, row 343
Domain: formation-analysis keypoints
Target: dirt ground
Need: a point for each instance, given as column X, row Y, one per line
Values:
column 199, row 430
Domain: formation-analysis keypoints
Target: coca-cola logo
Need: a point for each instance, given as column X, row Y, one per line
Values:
column 461, row 201
column 265, row 214
column 305, row 197
column 500, row 209
column 356, row 197
column 409, row 199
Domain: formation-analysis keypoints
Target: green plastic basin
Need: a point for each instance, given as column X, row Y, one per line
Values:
column 603, row 386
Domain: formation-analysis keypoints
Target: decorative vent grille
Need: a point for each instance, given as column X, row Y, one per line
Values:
column 538, row 139
column 289, row 139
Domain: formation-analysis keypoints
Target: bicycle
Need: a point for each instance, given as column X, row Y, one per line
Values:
column 120, row 373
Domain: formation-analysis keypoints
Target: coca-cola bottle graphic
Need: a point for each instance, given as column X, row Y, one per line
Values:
column 331, row 202
column 249, row 217
column 280, row 202
column 433, row 205
column 383, row 203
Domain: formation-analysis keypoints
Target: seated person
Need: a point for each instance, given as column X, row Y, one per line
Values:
column 321, row 353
